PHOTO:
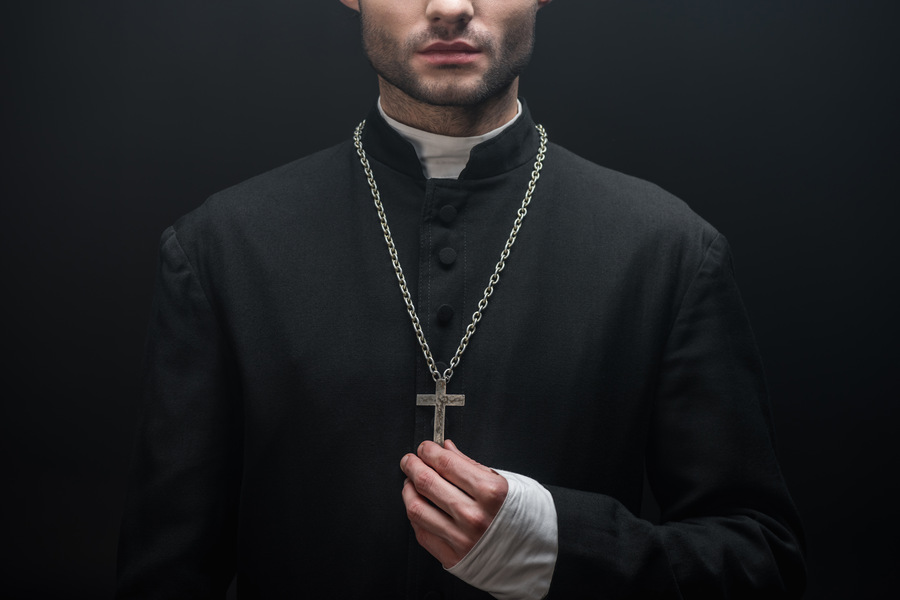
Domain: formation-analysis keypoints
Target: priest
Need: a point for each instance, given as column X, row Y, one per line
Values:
column 441, row 360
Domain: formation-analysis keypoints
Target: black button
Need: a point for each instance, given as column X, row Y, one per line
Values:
column 433, row 596
column 444, row 313
column 447, row 214
column 447, row 256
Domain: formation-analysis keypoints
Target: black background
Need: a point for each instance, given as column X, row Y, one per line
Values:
column 775, row 120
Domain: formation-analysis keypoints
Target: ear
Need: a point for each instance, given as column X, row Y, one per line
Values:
column 354, row 4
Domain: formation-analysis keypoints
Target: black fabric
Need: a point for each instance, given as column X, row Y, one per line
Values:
column 282, row 371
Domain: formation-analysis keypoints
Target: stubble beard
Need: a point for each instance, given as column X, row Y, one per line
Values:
column 390, row 59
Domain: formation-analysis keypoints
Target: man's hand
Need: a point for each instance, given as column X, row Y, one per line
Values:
column 465, row 497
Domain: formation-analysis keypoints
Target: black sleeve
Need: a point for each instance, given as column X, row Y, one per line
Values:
column 178, row 536
column 728, row 528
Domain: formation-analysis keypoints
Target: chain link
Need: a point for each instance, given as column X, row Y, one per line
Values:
column 494, row 279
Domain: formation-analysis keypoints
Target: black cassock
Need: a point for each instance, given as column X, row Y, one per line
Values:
column 282, row 371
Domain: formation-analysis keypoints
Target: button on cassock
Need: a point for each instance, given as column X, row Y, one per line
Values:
column 447, row 214
column 447, row 256
column 444, row 314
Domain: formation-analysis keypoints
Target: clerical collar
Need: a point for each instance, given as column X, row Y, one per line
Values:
column 443, row 156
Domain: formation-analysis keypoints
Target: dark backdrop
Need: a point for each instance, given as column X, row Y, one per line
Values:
column 775, row 120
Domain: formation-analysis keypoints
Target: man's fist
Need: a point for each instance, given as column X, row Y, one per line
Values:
column 464, row 496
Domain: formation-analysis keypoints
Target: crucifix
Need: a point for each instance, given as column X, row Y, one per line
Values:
column 439, row 400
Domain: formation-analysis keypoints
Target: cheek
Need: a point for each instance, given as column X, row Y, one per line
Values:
column 518, row 37
column 389, row 24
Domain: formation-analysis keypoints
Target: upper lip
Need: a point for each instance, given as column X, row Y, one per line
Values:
column 449, row 47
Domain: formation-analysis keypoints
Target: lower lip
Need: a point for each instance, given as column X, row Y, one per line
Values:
column 450, row 58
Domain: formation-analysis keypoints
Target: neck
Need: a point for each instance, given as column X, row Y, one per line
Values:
column 456, row 121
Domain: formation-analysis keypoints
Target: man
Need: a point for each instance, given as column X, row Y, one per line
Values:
column 287, row 375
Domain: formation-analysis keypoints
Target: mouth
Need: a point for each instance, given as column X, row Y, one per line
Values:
column 449, row 53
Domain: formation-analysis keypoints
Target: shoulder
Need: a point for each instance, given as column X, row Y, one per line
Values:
column 622, row 208
column 264, row 204
column 623, row 196
column 283, row 185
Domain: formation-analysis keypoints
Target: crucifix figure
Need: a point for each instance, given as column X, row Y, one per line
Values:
column 439, row 400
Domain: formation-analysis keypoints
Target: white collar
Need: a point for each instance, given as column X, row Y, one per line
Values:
column 443, row 156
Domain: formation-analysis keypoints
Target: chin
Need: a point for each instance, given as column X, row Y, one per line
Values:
column 454, row 97
column 451, row 93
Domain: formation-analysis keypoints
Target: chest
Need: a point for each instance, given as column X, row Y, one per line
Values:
column 564, row 350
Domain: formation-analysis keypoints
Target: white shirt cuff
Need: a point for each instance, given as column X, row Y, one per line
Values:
column 515, row 557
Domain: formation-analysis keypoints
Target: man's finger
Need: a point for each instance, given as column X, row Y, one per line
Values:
column 476, row 480
column 437, row 547
column 434, row 529
column 430, row 484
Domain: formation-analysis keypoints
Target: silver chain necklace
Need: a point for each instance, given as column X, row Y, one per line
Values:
column 440, row 398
